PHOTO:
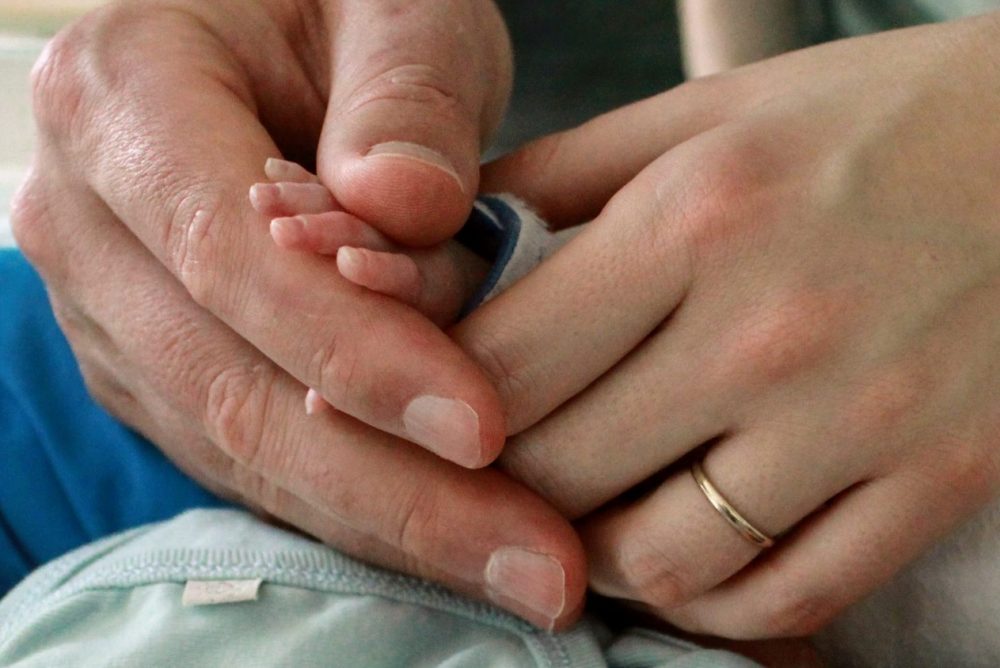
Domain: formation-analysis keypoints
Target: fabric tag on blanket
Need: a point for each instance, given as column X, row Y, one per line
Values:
column 217, row 592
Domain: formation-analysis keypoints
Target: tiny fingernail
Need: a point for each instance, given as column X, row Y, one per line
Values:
column 410, row 151
column 448, row 427
column 262, row 192
column 349, row 260
column 530, row 583
column 277, row 169
column 315, row 403
column 287, row 231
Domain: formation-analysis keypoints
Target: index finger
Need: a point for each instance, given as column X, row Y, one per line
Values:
column 172, row 146
column 565, row 324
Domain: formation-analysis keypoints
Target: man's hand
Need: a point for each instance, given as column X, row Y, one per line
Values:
column 796, row 278
column 155, row 119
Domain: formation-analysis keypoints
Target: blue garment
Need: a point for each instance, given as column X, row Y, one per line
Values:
column 69, row 472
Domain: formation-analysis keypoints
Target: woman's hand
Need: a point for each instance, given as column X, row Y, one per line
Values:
column 800, row 268
column 155, row 119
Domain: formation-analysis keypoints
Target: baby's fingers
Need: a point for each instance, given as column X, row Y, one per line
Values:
column 391, row 274
column 436, row 282
column 290, row 198
column 326, row 233
column 283, row 170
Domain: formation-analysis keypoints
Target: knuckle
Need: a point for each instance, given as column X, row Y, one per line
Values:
column 31, row 223
column 536, row 163
column 97, row 382
column 59, row 81
column 890, row 398
column 421, row 84
column 66, row 79
column 794, row 613
column 723, row 196
column 534, row 467
column 191, row 242
column 779, row 340
column 70, row 77
column 418, row 521
column 651, row 575
column 236, row 410
column 959, row 475
column 505, row 365
column 336, row 367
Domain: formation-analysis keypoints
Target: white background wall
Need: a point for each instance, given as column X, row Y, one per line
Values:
column 16, row 129
column 24, row 26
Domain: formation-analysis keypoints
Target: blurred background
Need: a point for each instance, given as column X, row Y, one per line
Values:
column 575, row 59
column 24, row 27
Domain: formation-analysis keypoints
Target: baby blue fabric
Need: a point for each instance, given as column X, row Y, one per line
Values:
column 119, row 603
column 72, row 473
column 69, row 472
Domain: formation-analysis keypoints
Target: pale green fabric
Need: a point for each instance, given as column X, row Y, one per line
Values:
column 118, row 603
column 857, row 17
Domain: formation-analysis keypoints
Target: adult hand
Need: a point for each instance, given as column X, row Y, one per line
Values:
column 155, row 119
column 800, row 269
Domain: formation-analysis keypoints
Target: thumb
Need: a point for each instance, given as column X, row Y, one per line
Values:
column 416, row 88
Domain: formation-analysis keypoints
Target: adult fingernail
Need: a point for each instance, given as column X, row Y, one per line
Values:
column 531, row 583
column 287, row 232
column 410, row 151
column 448, row 427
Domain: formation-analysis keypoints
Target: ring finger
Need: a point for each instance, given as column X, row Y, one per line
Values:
column 672, row 545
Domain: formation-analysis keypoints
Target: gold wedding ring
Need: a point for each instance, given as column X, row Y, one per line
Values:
column 730, row 514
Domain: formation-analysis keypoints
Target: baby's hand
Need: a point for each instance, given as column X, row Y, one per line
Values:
column 437, row 281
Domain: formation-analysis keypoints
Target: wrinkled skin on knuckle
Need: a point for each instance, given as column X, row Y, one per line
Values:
column 536, row 471
column 59, row 82
column 236, row 407
column 509, row 373
column 336, row 366
column 71, row 78
column 779, row 340
column 416, row 522
column 532, row 166
column 194, row 245
column 109, row 393
column 423, row 84
column 889, row 404
column 474, row 31
column 31, row 224
column 958, row 473
column 723, row 196
column 788, row 613
column 651, row 575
